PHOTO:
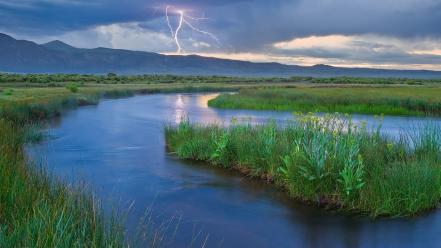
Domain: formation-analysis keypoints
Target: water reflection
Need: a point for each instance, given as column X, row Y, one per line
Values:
column 118, row 147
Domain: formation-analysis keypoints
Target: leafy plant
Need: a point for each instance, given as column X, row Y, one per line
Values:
column 290, row 162
column 315, row 154
column 267, row 138
column 220, row 153
column 351, row 176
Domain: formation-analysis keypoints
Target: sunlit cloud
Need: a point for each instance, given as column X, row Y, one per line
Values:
column 311, row 61
column 368, row 50
column 436, row 52
column 374, row 42
column 327, row 42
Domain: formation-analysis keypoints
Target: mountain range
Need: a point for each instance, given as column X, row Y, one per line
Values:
column 21, row 56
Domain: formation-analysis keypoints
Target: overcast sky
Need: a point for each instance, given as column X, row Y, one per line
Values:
column 403, row 34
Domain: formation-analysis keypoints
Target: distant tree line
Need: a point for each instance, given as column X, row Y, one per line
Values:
column 113, row 78
column 56, row 80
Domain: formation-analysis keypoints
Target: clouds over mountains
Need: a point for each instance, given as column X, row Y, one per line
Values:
column 379, row 33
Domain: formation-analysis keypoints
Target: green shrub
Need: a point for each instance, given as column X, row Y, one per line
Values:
column 72, row 87
column 8, row 92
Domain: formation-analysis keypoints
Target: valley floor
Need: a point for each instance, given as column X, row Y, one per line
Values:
column 37, row 210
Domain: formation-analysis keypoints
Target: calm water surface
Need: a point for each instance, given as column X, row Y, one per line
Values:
column 118, row 147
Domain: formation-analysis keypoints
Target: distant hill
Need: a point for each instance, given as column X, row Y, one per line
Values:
column 59, row 46
column 21, row 56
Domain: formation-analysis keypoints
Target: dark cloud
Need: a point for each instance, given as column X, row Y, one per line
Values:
column 246, row 25
column 262, row 22
column 52, row 16
column 242, row 22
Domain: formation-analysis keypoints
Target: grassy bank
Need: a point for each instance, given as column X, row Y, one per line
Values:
column 363, row 100
column 37, row 210
column 329, row 161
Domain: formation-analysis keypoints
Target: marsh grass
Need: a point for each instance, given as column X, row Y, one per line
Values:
column 390, row 101
column 327, row 161
column 37, row 210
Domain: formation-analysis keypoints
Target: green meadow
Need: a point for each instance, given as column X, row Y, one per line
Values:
column 418, row 100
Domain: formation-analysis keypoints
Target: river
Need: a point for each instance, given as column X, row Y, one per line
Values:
column 118, row 148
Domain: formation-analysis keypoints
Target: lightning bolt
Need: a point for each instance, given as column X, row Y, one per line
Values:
column 184, row 19
column 200, row 31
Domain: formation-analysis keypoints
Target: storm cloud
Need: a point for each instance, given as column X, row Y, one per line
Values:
column 401, row 33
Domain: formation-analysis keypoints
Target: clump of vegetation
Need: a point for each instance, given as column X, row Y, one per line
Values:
column 8, row 92
column 72, row 87
column 362, row 100
column 328, row 161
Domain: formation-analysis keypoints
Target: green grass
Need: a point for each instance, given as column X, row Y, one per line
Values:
column 361, row 100
column 358, row 80
column 37, row 210
column 326, row 161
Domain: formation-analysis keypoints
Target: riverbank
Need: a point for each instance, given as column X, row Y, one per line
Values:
column 328, row 162
column 37, row 209
column 410, row 100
